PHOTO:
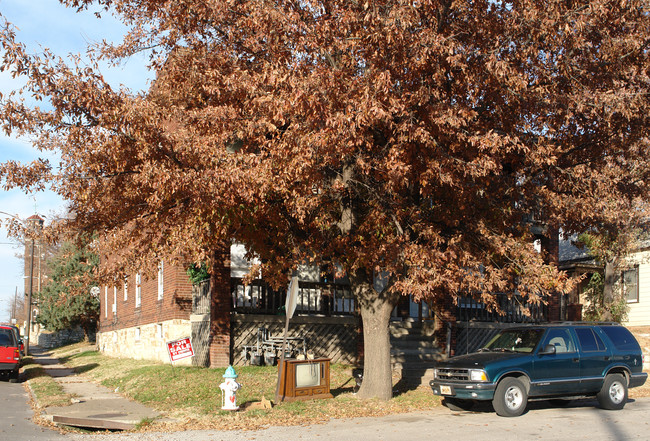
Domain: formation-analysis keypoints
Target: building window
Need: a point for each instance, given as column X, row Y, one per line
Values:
column 126, row 288
column 138, row 290
column 137, row 334
column 630, row 284
column 114, row 300
column 161, row 281
column 106, row 302
column 159, row 331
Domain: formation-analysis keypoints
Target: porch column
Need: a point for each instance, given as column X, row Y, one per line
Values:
column 220, row 308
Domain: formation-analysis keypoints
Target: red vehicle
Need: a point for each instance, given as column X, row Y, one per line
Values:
column 21, row 343
column 9, row 353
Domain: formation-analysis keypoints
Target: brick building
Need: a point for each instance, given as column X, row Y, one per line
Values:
column 139, row 315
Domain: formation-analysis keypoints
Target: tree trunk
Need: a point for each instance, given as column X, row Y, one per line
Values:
column 375, row 314
column 608, row 289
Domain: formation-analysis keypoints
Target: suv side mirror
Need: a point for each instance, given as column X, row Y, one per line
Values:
column 548, row 350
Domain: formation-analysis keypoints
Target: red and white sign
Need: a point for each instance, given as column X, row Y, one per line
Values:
column 180, row 349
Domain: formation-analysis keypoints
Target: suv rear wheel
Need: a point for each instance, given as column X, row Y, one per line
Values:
column 510, row 398
column 613, row 394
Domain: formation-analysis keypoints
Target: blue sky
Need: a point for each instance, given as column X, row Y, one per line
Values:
column 48, row 24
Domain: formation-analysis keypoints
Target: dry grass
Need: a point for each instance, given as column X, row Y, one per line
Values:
column 191, row 397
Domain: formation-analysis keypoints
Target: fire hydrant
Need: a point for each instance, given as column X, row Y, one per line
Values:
column 229, row 389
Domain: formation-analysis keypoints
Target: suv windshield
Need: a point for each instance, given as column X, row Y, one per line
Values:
column 515, row 340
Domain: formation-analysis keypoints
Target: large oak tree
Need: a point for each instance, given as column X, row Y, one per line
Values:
column 407, row 137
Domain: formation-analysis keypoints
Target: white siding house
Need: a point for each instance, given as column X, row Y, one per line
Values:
column 636, row 282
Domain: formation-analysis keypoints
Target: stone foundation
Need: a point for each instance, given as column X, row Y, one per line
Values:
column 146, row 342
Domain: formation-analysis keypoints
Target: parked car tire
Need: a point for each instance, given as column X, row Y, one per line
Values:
column 458, row 404
column 613, row 394
column 14, row 375
column 510, row 397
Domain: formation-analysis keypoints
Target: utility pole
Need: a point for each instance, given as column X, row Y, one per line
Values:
column 35, row 223
column 29, row 299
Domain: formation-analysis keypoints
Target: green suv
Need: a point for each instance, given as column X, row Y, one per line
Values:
column 550, row 361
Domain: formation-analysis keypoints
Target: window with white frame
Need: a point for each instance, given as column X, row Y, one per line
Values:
column 161, row 280
column 159, row 330
column 138, row 290
column 137, row 334
column 630, row 284
column 126, row 288
column 106, row 302
column 114, row 300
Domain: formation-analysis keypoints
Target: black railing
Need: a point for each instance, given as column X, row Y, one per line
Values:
column 511, row 310
column 314, row 298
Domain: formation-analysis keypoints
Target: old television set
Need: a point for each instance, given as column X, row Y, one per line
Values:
column 305, row 379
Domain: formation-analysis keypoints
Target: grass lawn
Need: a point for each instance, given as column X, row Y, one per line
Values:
column 190, row 396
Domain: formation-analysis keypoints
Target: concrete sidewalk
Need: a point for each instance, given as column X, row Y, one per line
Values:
column 93, row 405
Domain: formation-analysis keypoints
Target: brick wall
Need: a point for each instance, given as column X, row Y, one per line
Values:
column 220, row 309
column 116, row 312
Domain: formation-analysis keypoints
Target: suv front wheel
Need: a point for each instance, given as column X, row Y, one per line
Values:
column 510, row 398
column 613, row 394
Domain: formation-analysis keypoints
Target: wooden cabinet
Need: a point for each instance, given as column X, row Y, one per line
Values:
column 305, row 379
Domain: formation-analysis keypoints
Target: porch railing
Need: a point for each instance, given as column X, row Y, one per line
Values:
column 513, row 310
column 314, row 298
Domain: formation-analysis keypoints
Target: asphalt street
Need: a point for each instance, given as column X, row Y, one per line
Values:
column 580, row 420
column 16, row 416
